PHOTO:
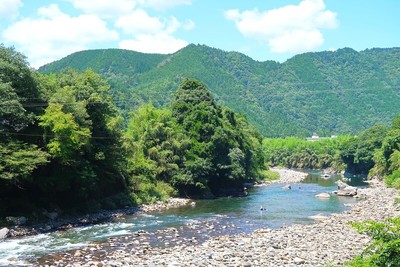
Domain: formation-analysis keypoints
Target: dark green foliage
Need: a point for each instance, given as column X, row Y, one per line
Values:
column 62, row 144
column 19, row 156
column 341, row 92
column 198, row 147
column 83, row 137
column 20, row 152
column 359, row 151
column 387, row 157
column 384, row 250
column 60, row 138
column 224, row 150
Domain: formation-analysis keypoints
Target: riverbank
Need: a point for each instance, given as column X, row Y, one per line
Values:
column 89, row 219
column 55, row 224
column 329, row 241
column 287, row 176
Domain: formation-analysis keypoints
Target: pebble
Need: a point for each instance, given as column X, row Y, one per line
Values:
column 330, row 241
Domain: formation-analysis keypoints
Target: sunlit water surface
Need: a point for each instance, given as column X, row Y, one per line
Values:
column 283, row 207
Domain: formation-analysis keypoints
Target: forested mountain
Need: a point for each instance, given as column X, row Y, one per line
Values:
column 331, row 92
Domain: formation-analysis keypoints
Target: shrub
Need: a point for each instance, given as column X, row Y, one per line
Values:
column 384, row 249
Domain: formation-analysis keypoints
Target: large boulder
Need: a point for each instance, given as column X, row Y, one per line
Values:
column 323, row 195
column 341, row 184
column 345, row 189
column 348, row 191
column 4, row 233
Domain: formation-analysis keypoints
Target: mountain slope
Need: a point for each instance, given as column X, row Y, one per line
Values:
column 339, row 92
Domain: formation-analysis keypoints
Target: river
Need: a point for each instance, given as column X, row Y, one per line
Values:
column 194, row 223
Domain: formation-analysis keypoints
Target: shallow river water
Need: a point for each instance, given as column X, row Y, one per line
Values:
column 194, row 223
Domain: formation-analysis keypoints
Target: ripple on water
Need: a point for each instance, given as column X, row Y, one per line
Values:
column 207, row 218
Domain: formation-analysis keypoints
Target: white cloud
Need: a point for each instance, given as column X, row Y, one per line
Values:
column 55, row 34
column 189, row 25
column 151, row 34
column 161, row 5
column 138, row 22
column 290, row 28
column 9, row 8
column 104, row 8
column 162, row 43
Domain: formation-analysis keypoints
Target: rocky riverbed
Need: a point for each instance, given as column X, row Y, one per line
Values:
column 330, row 240
column 287, row 176
column 56, row 224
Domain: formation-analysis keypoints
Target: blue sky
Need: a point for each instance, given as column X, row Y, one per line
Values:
column 48, row 30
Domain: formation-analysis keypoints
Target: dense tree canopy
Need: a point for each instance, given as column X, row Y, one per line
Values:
column 18, row 87
column 60, row 137
column 63, row 144
column 358, row 152
column 293, row 152
column 198, row 147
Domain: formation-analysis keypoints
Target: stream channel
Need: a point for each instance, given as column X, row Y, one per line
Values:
column 189, row 224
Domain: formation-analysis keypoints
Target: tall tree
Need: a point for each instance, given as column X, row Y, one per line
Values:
column 82, row 133
column 222, row 150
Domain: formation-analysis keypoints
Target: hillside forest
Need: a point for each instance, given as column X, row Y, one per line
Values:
column 338, row 92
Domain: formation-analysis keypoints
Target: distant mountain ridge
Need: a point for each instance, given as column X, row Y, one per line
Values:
column 330, row 92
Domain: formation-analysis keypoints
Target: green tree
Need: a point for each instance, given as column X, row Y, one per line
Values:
column 83, row 134
column 20, row 156
column 225, row 151
column 155, row 149
column 358, row 152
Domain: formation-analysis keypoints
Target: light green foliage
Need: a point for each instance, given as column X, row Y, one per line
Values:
column 340, row 92
column 67, row 137
column 269, row 175
column 149, row 192
column 155, row 147
column 82, row 132
column 384, row 250
column 18, row 161
column 393, row 179
column 293, row 152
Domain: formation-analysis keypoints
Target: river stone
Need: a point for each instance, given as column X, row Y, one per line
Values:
column 323, row 195
column 318, row 217
column 4, row 233
column 298, row 260
column 347, row 191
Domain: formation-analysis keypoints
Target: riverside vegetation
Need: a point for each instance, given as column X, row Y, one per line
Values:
column 65, row 145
